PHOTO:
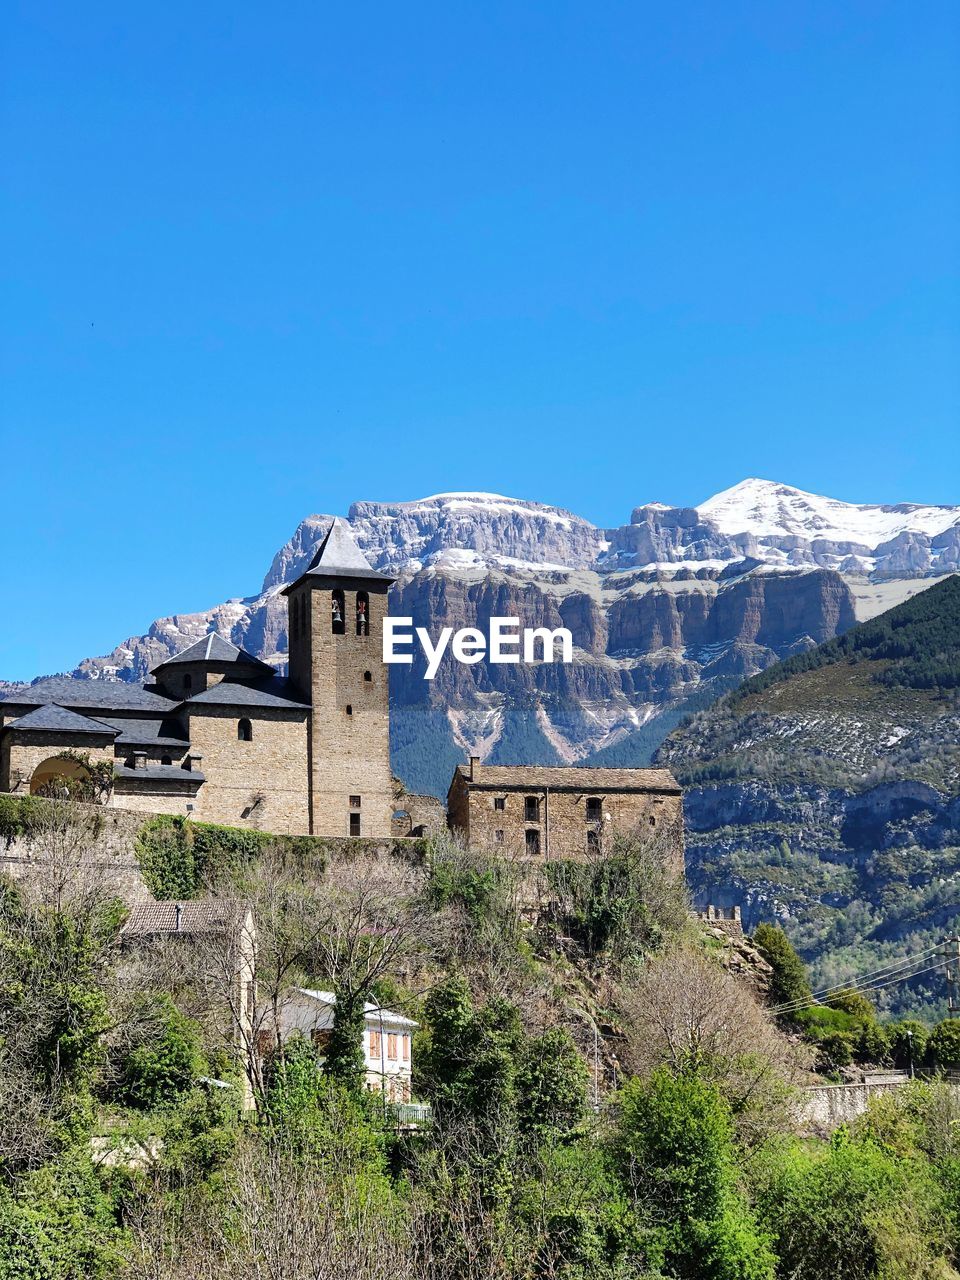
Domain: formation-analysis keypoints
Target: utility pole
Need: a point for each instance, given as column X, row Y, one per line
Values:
column 951, row 953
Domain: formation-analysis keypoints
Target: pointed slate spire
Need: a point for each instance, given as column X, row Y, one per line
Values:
column 339, row 557
column 214, row 649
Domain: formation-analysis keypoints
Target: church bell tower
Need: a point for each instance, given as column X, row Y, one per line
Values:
column 335, row 616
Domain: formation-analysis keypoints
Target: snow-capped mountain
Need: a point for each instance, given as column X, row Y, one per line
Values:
column 665, row 611
column 784, row 521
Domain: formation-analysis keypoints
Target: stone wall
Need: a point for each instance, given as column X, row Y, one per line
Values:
column 28, row 750
column 110, row 834
column 273, row 764
column 424, row 815
column 823, row 1108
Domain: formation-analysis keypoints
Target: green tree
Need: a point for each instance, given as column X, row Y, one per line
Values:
column 676, row 1154
column 345, row 1056
column 943, row 1046
column 908, row 1043
column 789, row 981
column 551, row 1085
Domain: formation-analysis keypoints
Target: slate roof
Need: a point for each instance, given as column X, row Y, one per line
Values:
column 156, row 919
column 339, row 557
column 277, row 692
column 108, row 695
column 160, row 773
column 51, row 718
column 136, row 732
column 563, row 778
column 213, row 648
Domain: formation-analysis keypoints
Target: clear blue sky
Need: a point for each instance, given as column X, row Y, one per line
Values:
column 260, row 261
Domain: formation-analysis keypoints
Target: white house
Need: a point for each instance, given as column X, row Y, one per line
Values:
column 387, row 1038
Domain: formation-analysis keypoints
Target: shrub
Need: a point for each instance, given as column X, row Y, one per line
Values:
column 848, row 1209
column 157, row 1072
column 624, row 903
column 836, row 1049
column 178, row 857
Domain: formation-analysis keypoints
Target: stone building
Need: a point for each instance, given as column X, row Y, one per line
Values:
column 217, row 735
column 560, row 812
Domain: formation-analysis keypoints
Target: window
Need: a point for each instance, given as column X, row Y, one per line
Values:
column 405, row 1047
column 337, row 613
column 244, row 731
column 533, row 841
column 594, row 809
column 188, row 681
column 321, row 1039
column 266, row 1042
column 499, row 802
column 375, row 1045
column 652, row 820
column 354, row 802
column 354, row 824
column 367, row 677
column 363, row 614
column 166, row 760
column 498, row 836
column 593, row 841
column 531, row 809
column 392, row 1046
column 349, row 709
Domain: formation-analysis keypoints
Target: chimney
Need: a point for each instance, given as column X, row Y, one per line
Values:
column 474, row 766
column 178, row 917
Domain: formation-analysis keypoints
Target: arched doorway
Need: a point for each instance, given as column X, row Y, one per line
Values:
column 53, row 776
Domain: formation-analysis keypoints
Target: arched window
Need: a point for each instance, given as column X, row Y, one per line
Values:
column 338, row 614
column 188, row 681
column 363, row 614
column 244, row 730
column 367, row 677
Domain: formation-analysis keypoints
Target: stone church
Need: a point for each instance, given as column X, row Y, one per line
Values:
column 219, row 736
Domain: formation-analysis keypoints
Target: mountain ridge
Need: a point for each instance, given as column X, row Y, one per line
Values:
column 666, row 612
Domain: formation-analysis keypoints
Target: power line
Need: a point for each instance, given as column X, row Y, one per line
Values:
column 877, row 986
column 872, row 975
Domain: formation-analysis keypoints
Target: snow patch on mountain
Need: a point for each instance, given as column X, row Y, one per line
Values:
column 767, row 509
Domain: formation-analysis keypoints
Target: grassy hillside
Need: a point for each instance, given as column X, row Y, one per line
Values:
column 823, row 793
column 880, row 702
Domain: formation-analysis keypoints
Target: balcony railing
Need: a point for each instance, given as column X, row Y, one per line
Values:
column 410, row 1115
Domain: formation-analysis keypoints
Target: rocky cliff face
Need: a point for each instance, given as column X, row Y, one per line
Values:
column 859, row 880
column 665, row 612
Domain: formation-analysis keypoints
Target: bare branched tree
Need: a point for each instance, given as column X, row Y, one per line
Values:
column 685, row 1010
